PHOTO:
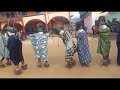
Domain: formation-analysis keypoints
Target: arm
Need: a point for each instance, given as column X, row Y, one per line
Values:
column 4, row 40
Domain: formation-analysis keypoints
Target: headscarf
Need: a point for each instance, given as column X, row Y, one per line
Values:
column 11, row 30
column 57, row 29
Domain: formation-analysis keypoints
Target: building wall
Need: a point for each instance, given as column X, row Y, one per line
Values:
column 88, row 22
column 4, row 23
column 52, row 15
column 114, row 15
column 98, row 14
column 42, row 18
column 39, row 17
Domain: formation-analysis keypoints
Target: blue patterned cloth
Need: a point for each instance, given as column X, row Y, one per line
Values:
column 83, row 48
column 40, row 45
column 1, row 47
column 118, row 45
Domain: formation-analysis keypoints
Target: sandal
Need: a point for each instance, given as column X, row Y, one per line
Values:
column 24, row 66
column 69, row 64
column 40, row 65
column 109, row 61
column 73, row 62
column 2, row 65
column 8, row 63
column 84, row 64
column 46, row 64
column 106, row 62
column 18, row 72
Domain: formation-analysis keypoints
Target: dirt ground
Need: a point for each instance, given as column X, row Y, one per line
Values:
column 57, row 67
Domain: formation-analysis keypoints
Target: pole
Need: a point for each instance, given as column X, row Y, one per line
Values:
column 46, row 20
column 52, row 31
column 70, row 19
column 13, row 22
column 8, row 23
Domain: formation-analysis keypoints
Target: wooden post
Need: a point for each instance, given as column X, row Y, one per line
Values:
column 0, row 25
column 13, row 22
column 46, row 15
column 8, row 22
column 70, row 19
column 23, row 26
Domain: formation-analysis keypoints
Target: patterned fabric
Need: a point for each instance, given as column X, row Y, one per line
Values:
column 118, row 55
column 15, row 47
column 118, row 34
column 40, row 45
column 6, row 51
column 104, row 41
column 83, row 48
column 70, row 45
column 1, row 46
column 118, row 45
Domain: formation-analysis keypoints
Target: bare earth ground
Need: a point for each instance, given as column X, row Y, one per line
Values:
column 57, row 67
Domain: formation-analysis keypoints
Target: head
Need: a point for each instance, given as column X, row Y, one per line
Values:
column 39, row 25
column 57, row 30
column 17, row 33
column 11, row 30
column 78, row 25
column 101, row 20
column 73, row 26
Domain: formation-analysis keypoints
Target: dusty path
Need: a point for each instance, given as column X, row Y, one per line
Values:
column 57, row 64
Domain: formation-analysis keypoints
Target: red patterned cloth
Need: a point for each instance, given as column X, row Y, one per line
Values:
column 96, row 28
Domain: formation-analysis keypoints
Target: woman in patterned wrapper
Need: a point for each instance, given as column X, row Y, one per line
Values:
column 82, row 45
column 118, row 43
column 4, row 52
column 104, row 41
column 70, row 46
column 15, row 48
column 39, row 42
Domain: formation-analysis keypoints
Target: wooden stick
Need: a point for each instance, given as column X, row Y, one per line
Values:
column 58, row 40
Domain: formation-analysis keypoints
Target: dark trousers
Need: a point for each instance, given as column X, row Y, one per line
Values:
column 118, row 55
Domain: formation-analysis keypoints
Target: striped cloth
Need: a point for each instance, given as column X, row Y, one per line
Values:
column 70, row 45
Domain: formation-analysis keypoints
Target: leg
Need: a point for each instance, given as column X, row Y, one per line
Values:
column 1, row 63
column 72, row 61
column 17, row 70
column 8, row 61
column 46, row 64
column 67, row 60
column 39, row 63
column 106, row 61
column 22, row 61
column 118, row 56
column 23, row 66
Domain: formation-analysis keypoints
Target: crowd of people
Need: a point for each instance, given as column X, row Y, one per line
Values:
column 11, row 45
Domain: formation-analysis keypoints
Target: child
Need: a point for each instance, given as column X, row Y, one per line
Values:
column 15, row 48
